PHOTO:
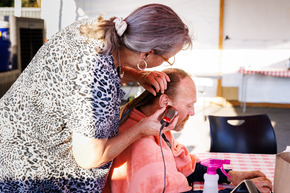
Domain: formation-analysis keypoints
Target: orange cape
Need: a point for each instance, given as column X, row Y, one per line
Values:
column 140, row 167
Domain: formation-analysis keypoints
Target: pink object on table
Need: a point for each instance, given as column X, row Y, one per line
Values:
column 242, row 162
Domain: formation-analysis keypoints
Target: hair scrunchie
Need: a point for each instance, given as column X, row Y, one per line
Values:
column 120, row 26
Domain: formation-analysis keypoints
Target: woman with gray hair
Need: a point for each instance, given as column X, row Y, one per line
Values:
column 59, row 120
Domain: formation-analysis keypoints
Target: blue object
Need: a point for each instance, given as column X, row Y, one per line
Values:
column 5, row 49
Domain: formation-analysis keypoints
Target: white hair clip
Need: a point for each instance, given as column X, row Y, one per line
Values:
column 120, row 26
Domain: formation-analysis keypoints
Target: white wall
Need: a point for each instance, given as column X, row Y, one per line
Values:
column 259, row 37
column 258, row 31
column 201, row 15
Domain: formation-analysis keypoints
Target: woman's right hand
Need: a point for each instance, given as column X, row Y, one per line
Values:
column 151, row 125
column 91, row 153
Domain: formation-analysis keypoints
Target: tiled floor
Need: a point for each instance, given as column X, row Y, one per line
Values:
column 196, row 132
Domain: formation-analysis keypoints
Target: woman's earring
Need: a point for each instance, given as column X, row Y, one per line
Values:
column 138, row 65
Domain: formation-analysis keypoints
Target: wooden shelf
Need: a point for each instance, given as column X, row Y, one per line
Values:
column 9, row 75
column 7, row 79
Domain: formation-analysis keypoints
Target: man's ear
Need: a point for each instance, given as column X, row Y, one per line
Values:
column 163, row 100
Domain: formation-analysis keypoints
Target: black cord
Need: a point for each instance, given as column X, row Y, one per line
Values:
column 162, row 157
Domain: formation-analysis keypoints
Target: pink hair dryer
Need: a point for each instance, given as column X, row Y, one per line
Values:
column 211, row 177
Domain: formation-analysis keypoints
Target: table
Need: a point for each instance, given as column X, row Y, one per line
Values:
column 275, row 72
column 242, row 162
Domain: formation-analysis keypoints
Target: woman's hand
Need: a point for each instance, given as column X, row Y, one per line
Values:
column 154, row 81
column 258, row 178
column 91, row 153
column 151, row 125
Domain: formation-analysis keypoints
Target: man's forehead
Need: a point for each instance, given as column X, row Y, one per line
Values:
column 187, row 88
column 187, row 84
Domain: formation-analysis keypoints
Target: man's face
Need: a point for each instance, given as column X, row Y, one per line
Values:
column 184, row 101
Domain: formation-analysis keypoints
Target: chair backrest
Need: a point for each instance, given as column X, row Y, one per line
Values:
column 253, row 134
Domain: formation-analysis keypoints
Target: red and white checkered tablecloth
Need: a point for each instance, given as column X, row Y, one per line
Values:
column 267, row 72
column 242, row 162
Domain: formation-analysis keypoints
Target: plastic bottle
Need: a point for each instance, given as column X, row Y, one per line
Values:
column 211, row 177
column 5, row 47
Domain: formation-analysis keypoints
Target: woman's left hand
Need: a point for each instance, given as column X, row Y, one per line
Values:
column 154, row 81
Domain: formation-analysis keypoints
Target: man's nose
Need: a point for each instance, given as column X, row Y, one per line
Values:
column 191, row 112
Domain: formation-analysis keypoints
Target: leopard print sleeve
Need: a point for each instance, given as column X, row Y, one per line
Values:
column 98, row 99
column 93, row 89
column 66, row 87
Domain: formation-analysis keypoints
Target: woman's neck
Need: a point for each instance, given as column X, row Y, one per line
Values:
column 127, row 57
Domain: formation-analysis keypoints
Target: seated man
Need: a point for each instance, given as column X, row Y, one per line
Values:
column 140, row 167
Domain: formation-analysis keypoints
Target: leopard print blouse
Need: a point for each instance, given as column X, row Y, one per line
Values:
column 66, row 87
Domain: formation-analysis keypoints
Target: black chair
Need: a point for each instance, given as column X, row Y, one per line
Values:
column 252, row 134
